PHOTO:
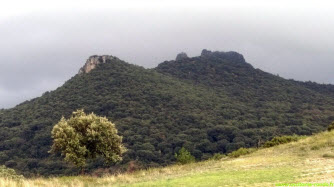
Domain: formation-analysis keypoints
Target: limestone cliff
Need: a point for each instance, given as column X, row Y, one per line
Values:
column 93, row 61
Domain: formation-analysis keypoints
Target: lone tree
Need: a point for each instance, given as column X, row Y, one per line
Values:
column 85, row 137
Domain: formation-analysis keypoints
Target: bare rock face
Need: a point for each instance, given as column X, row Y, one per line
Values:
column 181, row 56
column 93, row 61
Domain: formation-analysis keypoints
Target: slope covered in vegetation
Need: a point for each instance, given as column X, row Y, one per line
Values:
column 309, row 160
column 208, row 104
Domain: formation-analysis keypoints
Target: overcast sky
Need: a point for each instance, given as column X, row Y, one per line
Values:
column 44, row 43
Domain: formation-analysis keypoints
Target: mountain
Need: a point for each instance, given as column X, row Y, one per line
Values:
column 216, row 102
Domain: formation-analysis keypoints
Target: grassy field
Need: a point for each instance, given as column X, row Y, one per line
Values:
column 308, row 160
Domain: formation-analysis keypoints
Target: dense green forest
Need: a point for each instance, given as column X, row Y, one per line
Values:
column 213, row 103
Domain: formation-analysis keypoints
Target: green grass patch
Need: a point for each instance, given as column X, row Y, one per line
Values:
column 227, row 178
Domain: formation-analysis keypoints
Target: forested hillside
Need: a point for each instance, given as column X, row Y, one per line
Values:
column 212, row 103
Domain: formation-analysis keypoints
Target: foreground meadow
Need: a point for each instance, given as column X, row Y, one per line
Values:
column 308, row 160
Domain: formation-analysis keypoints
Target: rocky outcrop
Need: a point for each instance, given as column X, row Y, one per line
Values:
column 230, row 55
column 181, row 56
column 93, row 61
column 205, row 52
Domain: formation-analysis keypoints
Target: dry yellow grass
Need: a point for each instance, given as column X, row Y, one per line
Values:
column 295, row 162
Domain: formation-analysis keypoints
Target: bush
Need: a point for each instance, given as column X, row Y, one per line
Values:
column 9, row 173
column 184, row 156
column 331, row 126
column 328, row 155
column 281, row 140
column 241, row 151
column 315, row 147
column 218, row 156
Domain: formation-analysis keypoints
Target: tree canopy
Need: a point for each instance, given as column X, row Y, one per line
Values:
column 83, row 137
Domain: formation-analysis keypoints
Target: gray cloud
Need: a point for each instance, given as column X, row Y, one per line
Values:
column 39, row 52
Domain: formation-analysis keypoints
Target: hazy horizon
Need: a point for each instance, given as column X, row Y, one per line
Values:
column 45, row 44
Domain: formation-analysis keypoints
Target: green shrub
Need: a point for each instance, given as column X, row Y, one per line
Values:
column 281, row 140
column 315, row 147
column 331, row 126
column 9, row 173
column 241, row 151
column 184, row 156
column 328, row 155
column 217, row 156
